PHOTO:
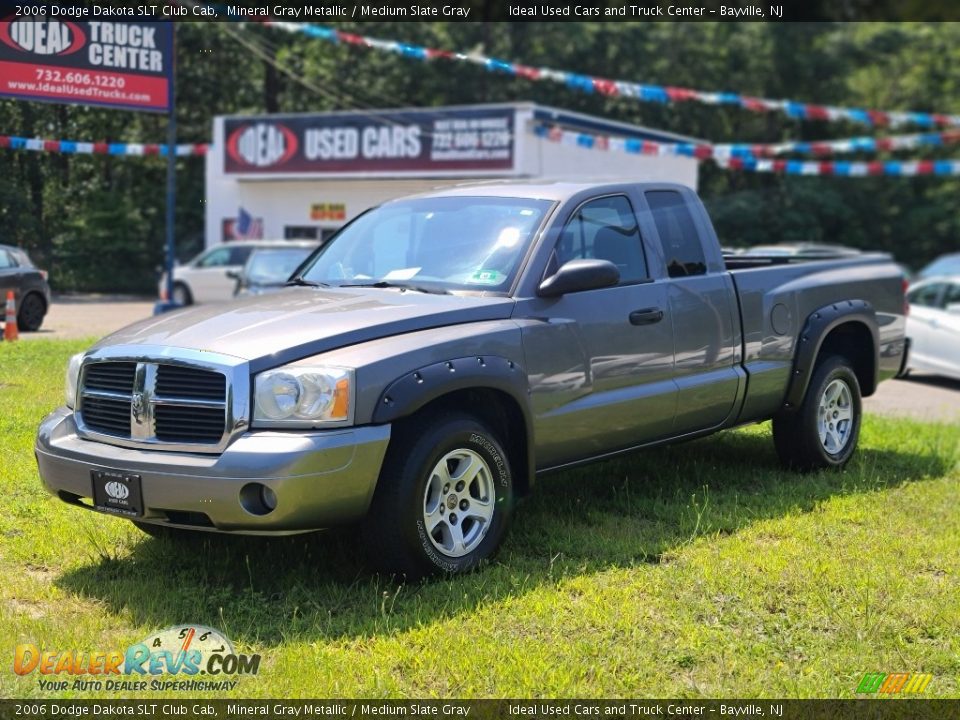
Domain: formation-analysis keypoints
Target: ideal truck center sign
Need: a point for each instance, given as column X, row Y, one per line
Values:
column 417, row 142
column 115, row 64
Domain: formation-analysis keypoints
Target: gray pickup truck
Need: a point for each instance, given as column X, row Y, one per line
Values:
column 443, row 351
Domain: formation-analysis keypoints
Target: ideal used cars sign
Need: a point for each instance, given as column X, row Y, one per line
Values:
column 116, row 64
column 415, row 142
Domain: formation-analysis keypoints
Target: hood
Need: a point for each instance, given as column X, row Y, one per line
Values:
column 299, row 322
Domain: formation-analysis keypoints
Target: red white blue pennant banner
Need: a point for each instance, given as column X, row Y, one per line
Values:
column 622, row 88
column 99, row 148
column 838, row 147
column 751, row 163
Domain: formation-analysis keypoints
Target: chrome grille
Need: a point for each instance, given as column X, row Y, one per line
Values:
column 154, row 403
column 107, row 415
column 177, row 381
column 188, row 424
column 114, row 376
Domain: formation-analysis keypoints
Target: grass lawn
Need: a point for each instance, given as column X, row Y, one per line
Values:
column 701, row 570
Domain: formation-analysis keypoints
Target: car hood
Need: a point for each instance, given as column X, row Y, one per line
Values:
column 295, row 323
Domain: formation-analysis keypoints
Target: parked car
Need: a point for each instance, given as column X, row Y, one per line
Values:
column 29, row 284
column 948, row 264
column 445, row 351
column 204, row 279
column 269, row 268
column 933, row 326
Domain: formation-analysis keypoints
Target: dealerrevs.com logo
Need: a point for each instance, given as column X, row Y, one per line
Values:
column 892, row 683
column 262, row 144
column 182, row 657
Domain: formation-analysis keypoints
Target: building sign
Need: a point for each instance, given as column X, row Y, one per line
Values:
column 328, row 211
column 117, row 64
column 416, row 142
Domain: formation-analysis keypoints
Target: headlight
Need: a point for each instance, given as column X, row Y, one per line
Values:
column 295, row 396
column 71, row 380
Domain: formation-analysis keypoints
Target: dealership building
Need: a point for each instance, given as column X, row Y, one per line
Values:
column 305, row 175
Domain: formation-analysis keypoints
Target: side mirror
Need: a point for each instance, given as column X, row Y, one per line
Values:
column 578, row 275
column 953, row 308
column 233, row 274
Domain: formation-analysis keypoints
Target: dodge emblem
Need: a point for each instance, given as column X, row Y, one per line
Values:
column 137, row 407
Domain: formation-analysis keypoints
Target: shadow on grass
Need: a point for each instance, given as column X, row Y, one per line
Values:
column 624, row 512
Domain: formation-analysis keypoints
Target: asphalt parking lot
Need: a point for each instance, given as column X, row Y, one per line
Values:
column 73, row 317
column 922, row 397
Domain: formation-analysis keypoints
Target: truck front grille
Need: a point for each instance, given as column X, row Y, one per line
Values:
column 177, row 381
column 154, row 403
column 113, row 376
column 107, row 416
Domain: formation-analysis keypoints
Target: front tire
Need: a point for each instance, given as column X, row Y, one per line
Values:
column 443, row 499
column 823, row 431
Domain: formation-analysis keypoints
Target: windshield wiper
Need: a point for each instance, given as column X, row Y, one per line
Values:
column 300, row 282
column 402, row 286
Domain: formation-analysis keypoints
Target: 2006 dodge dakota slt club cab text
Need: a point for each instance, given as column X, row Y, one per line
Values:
column 443, row 351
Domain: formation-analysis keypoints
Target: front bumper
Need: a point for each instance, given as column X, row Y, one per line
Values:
column 320, row 478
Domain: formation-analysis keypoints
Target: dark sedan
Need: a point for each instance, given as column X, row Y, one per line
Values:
column 29, row 285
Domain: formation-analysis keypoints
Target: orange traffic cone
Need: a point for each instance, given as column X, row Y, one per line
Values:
column 10, row 322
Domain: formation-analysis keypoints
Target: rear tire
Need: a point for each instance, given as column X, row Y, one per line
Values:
column 823, row 431
column 443, row 500
column 31, row 313
column 181, row 294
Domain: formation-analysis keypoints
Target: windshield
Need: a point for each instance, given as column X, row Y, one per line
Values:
column 274, row 265
column 452, row 243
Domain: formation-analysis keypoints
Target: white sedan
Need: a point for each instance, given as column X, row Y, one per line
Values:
column 933, row 326
column 204, row 279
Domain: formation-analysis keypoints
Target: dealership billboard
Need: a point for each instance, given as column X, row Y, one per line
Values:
column 376, row 143
column 126, row 65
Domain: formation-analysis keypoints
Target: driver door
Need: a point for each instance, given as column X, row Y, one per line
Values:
column 600, row 361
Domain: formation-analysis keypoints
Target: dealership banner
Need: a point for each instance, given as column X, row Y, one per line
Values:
column 415, row 142
column 125, row 65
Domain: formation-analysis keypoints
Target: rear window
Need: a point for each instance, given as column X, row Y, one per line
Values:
column 21, row 258
column 678, row 234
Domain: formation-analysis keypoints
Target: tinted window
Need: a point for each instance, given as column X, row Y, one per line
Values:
column 678, row 234
column 953, row 295
column 239, row 254
column 275, row 265
column 216, row 258
column 926, row 295
column 605, row 229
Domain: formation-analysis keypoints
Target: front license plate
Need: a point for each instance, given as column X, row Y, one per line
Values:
column 117, row 492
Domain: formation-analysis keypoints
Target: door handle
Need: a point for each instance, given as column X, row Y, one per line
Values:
column 647, row 316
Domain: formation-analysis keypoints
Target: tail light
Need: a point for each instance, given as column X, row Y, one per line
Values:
column 906, row 304
column 44, row 274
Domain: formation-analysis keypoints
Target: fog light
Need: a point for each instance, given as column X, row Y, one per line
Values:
column 268, row 497
column 257, row 499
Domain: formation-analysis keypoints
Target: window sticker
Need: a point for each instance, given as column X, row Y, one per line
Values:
column 401, row 274
column 486, row 277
